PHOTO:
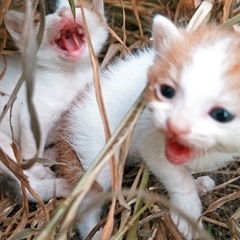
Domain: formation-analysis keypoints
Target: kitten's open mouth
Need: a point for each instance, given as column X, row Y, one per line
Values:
column 177, row 153
column 70, row 40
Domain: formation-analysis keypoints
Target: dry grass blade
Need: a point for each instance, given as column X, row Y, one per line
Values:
column 5, row 5
column 126, row 212
column 234, row 224
column 128, row 224
column 137, row 17
column 120, row 169
column 13, row 166
column 29, row 52
column 4, row 67
column 106, row 233
column 200, row 15
column 206, row 219
column 112, row 50
column 9, row 52
column 222, row 201
column 24, row 218
column 12, row 98
column 117, row 37
column 96, row 78
column 124, row 25
column 27, row 232
column 3, row 32
column 179, row 6
column 121, row 164
column 107, row 229
column 42, row 22
column 231, row 22
column 133, row 231
column 73, row 9
column 226, row 10
column 226, row 183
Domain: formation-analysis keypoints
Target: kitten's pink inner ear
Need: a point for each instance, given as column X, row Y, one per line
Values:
column 164, row 31
column 14, row 23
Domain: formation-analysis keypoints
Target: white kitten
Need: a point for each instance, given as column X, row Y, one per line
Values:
column 191, row 122
column 82, row 128
column 63, row 69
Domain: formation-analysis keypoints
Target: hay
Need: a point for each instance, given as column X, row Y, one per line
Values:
column 131, row 22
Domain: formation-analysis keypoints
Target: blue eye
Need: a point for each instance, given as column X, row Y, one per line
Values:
column 221, row 115
column 167, row 91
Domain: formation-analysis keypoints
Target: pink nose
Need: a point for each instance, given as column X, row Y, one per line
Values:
column 65, row 11
column 178, row 126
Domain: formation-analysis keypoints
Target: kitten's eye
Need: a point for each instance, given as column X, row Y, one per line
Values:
column 221, row 115
column 167, row 91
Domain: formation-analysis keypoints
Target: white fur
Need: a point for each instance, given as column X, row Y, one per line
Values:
column 57, row 81
column 200, row 88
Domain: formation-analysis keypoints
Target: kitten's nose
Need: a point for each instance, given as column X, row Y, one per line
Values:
column 65, row 11
column 178, row 125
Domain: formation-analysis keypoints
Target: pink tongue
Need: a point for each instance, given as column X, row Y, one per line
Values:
column 69, row 43
column 177, row 153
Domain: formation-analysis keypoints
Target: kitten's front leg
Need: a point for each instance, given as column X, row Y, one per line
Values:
column 88, row 216
column 48, row 188
column 183, row 196
column 182, row 191
column 186, row 203
column 42, row 179
column 29, row 150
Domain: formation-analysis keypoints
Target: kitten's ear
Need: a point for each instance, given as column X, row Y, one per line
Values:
column 98, row 6
column 14, row 23
column 164, row 31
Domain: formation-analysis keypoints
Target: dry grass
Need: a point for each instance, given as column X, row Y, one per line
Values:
column 130, row 26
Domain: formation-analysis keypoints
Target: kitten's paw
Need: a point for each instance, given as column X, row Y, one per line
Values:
column 49, row 188
column 185, row 212
column 185, row 226
column 204, row 184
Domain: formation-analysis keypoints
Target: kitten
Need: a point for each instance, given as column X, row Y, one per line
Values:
column 63, row 69
column 190, row 124
column 81, row 133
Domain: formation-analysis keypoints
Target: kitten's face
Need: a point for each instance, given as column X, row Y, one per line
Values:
column 194, row 93
column 65, row 40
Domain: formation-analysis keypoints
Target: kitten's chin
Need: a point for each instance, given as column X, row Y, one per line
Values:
column 177, row 153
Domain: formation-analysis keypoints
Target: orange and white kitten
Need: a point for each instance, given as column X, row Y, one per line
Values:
column 191, row 122
column 63, row 68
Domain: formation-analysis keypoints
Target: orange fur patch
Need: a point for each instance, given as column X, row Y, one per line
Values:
column 71, row 168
